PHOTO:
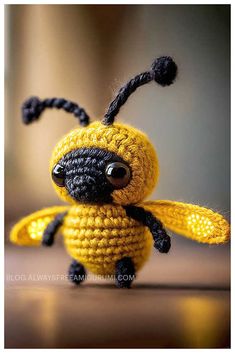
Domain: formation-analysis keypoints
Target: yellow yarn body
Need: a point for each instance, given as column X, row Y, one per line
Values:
column 98, row 236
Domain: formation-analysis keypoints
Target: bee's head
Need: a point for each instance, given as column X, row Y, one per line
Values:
column 104, row 162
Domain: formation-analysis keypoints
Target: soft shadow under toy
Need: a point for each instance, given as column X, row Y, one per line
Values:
column 105, row 170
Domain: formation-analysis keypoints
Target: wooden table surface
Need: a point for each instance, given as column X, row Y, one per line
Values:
column 173, row 303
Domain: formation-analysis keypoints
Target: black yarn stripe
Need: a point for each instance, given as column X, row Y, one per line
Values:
column 162, row 241
column 87, row 162
column 91, row 153
column 89, row 171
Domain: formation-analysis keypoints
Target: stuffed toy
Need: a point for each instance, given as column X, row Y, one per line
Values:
column 105, row 170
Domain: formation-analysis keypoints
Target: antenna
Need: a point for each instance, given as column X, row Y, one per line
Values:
column 163, row 71
column 33, row 107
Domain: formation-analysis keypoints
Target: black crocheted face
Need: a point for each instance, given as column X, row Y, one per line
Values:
column 90, row 175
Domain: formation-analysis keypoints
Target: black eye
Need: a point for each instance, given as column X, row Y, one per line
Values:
column 58, row 175
column 118, row 174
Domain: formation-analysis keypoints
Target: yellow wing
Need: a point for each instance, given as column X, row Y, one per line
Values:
column 195, row 222
column 29, row 230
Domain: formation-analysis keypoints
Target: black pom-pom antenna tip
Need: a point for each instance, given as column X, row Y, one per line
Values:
column 163, row 71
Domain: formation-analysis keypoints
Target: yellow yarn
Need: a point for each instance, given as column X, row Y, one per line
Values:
column 195, row 222
column 127, row 142
column 29, row 230
column 99, row 235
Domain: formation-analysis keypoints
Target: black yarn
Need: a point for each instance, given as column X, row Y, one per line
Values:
column 76, row 272
column 124, row 272
column 163, row 71
column 162, row 241
column 52, row 228
column 33, row 107
column 84, row 174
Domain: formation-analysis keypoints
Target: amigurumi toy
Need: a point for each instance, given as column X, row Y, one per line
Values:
column 105, row 170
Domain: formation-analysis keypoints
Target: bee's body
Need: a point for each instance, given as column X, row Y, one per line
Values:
column 105, row 171
column 99, row 236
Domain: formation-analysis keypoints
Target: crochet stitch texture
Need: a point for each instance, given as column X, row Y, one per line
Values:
column 105, row 171
column 127, row 142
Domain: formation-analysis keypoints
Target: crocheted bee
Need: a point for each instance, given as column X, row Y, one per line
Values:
column 105, row 170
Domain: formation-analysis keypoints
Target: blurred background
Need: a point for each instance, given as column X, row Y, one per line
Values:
column 84, row 53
